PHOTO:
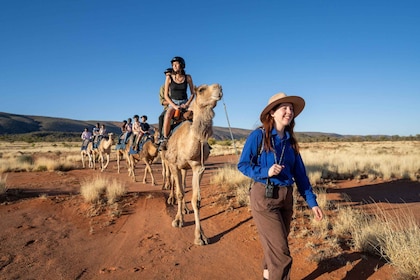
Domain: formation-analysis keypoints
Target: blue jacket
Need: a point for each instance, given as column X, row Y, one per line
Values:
column 256, row 166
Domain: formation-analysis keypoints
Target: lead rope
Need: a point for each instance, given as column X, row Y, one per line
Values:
column 200, row 172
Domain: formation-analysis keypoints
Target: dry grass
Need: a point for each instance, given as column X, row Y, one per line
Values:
column 327, row 161
column 385, row 160
column 398, row 240
column 99, row 189
column 230, row 180
column 393, row 236
column 21, row 156
column 3, row 186
column 29, row 163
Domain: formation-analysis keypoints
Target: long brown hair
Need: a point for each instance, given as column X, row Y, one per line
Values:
column 268, row 124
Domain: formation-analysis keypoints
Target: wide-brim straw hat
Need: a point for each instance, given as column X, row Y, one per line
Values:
column 281, row 97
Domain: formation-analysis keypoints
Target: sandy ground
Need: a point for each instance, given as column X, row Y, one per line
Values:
column 47, row 231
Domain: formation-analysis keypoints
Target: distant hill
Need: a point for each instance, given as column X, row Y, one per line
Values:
column 24, row 124
column 36, row 128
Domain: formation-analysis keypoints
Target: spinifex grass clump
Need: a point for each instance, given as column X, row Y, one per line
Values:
column 3, row 187
column 391, row 235
column 100, row 189
column 230, row 180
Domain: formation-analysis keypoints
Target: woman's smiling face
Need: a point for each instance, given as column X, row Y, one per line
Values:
column 283, row 114
column 176, row 66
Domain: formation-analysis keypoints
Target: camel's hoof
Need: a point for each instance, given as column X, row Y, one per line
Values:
column 177, row 223
column 201, row 241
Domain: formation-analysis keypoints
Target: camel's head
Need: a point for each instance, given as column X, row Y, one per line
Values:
column 110, row 136
column 208, row 95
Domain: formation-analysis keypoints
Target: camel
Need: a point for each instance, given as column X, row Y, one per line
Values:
column 122, row 151
column 104, row 149
column 168, row 181
column 86, row 153
column 92, row 155
column 120, row 154
column 97, row 154
column 147, row 154
column 187, row 148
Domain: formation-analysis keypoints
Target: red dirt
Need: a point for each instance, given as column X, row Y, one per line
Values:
column 46, row 232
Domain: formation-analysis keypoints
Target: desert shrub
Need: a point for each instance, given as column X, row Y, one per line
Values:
column 225, row 142
column 211, row 141
column 399, row 240
column 93, row 189
column 114, row 191
column 48, row 164
column 395, row 237
column 230, row 179
column 28, row 159
column 99, row 189
column 3, row 187
column 11, row 164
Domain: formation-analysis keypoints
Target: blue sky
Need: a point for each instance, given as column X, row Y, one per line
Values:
column 356, row 63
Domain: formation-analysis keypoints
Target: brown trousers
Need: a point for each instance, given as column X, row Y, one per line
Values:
column 272, row 217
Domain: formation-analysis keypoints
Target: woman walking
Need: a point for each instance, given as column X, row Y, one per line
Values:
column 271, row 158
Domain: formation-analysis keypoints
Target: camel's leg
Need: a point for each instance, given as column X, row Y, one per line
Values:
column 179, row 218
column 128, row 162
column 200, row 238
column 148, row 168
column 106, row 164
column 101, row 161
column 165, row 182
column 184, row 186
column 83, row 159
column 131, row 169
column 90, row 160
column 118, row 161
column 167, row 179
column 93, row 160
column 171, row 184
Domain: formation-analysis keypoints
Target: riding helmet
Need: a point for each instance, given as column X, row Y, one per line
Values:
column 180, row 60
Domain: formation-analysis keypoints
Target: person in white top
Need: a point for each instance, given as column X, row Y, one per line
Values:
column 86, row 135
column 136, row 130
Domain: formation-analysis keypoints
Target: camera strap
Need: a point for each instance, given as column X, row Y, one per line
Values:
column 275, row 154
column 275, row 157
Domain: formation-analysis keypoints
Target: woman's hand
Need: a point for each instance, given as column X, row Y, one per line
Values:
column 318, row 215
column 275, row 169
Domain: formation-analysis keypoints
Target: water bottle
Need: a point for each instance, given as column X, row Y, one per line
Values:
column 177, row 113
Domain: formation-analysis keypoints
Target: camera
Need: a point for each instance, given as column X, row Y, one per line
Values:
column 269, row 190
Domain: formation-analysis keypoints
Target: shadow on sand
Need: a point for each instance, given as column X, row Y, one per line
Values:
column 362, row 270
column 398, row 191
